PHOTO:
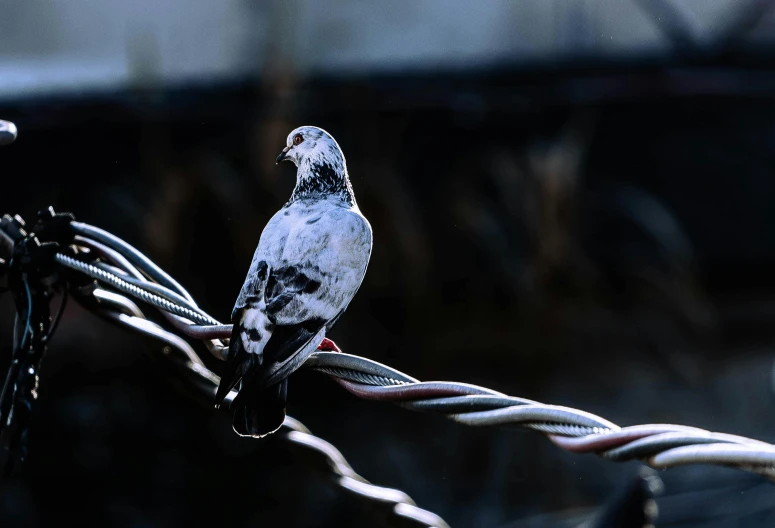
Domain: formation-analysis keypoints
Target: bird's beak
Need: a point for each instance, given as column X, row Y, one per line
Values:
column 282, row 155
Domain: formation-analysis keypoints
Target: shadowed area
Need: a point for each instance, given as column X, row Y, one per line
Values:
column 593, row 232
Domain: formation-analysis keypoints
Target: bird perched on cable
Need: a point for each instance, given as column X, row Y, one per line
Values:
column 309, row 263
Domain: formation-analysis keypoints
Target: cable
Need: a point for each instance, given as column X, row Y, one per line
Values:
column 58, row 316
column 295, row 433
column 111, row 255
column 27, row 326
column 122, row 284
column 131, row 254
column 658, row 445
column 159, row 290
column 131, row 274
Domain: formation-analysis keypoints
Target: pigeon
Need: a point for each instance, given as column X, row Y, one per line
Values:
column 310, row 261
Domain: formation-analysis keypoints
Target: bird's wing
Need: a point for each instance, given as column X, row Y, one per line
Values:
column 290, row 299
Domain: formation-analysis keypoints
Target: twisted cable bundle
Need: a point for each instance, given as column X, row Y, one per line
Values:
column 657, row 445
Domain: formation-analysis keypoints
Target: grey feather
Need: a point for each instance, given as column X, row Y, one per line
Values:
column 310, row 261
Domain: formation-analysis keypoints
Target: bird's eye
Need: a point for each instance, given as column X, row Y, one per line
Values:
column 297, row 139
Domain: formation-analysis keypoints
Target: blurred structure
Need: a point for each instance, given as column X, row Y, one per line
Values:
column 571, row 200
column 116, row 44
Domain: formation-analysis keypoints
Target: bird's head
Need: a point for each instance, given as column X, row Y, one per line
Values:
column 312, row 145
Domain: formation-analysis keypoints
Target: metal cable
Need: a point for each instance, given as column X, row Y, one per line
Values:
column 130, row 253
column 658, row 445
column 126, row 312
column 110, row 255
column 360, row 377
column 135, row 291
column 295, row 433
column 561, row 429
column 199, row 332
column 159, row 290
column 130, row 315
column 128, row 272
column 126, row 306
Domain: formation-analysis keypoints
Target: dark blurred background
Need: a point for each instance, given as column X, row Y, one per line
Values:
column 571, row 202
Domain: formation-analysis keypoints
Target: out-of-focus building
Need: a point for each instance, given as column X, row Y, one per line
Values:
column 55, row 46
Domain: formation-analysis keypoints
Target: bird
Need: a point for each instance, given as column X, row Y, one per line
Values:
column 310, row 261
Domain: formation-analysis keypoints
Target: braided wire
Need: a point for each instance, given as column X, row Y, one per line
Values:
column 360, row 377
column 563, row 429
column 129, row 315
column 658, row 445
column 294, row 432
column 130, row 253
column 156, row 289
column 135, row 291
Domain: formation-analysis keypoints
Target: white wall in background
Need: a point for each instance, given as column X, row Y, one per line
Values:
column 72, row 45
column 75, row 44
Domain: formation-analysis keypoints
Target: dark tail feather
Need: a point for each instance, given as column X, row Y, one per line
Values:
column 261, row 413
column 237, row 364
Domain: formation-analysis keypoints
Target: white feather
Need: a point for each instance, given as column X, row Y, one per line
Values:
column 325, row 237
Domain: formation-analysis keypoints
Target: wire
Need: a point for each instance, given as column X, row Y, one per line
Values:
column 58, row 316
column 131, row 254
column 131, row 274
column 110, row 255
column 27, row 325
column 122, row 284
column 159, row 290
column 207, row 332
column 479, row 406
column 658, row 445
column 295, row 433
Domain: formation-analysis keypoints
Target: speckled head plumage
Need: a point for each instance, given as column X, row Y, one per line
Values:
column 310, row 144
column 322, row 170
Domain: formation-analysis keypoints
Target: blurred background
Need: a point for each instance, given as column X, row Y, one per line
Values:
column 571, row 202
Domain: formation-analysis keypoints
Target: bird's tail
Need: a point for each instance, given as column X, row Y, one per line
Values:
column 238, row 362
column 260, row 413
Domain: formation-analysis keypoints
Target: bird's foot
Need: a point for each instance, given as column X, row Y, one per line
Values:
column 328, row 346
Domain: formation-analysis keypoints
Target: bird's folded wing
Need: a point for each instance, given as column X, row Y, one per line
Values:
column 295, row 313
column 296, row 351
column 287, row 307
